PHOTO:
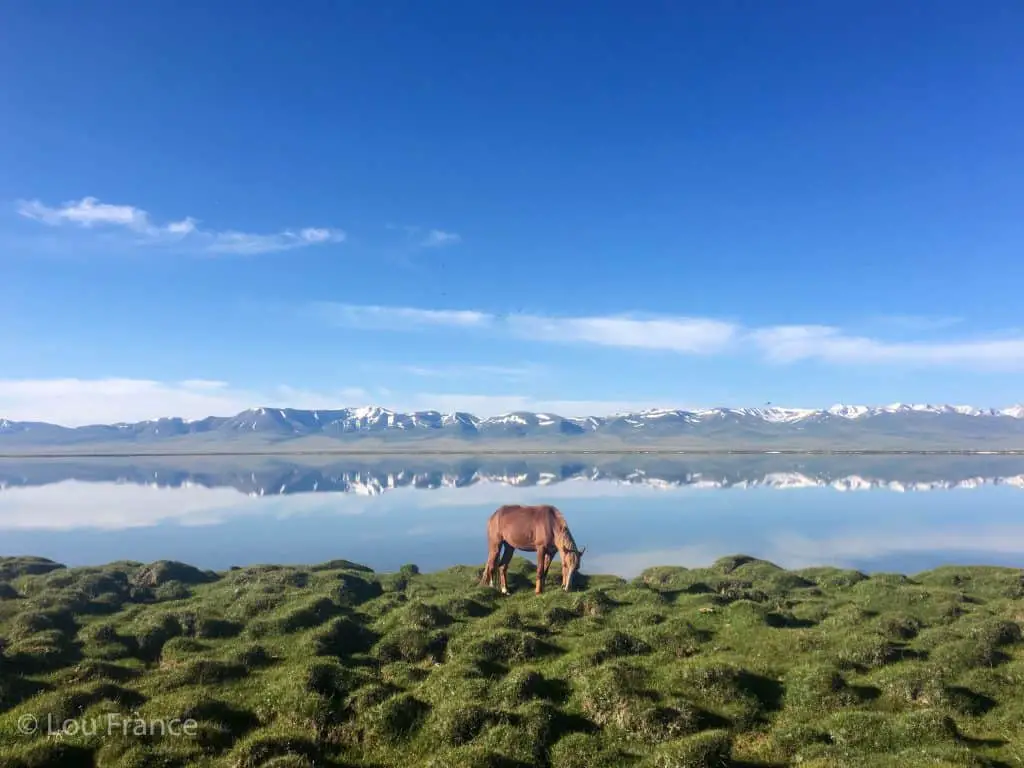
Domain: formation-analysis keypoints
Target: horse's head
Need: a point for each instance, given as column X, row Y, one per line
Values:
column 571, row 565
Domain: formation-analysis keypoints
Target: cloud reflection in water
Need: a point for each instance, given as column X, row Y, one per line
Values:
column 631, row 512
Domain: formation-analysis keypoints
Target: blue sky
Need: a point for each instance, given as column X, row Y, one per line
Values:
column 580, row 207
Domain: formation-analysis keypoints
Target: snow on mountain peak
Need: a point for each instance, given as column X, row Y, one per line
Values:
column 370, row 412
column 658, row 422
column 967, row 410
column 785, row 415
column 507, row 418
column 849, row 411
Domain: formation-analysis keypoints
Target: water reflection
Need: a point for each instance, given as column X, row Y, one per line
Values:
column 631, row 511
column 369, row 476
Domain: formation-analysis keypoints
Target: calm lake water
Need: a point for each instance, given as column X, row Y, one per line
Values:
column 891, row 513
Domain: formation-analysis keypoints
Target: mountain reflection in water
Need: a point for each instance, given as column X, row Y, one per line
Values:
column 631, row 511
column 274, row 475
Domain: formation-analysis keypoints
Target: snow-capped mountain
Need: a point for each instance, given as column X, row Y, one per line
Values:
column 886, row 426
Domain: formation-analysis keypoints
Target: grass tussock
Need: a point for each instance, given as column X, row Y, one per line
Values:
column 739, row 664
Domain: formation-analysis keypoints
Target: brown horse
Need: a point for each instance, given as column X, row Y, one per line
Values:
column 540, row 529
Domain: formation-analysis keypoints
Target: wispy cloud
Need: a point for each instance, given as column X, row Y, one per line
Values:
column 698, row 336
column 247, row 243
column 76, row 402
column 912, row 323
column 431, row 238
column 792, row 343
column 90, row 213
column 396, row 318
column 679, row 334
column 437, row 238
column 472, row 371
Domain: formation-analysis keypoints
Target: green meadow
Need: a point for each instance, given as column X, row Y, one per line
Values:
column 742, row 663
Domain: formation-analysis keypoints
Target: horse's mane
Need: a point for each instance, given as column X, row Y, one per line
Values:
column 563, row 536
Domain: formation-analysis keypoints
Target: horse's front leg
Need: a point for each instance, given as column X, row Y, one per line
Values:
column 548, row 559
column 542, row 556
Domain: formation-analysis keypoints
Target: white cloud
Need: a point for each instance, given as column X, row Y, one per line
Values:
column 76, row 402
column 696, row 336
column 432, row 238
column 247, row 244
column 90, row 212
column 470, row 371
column 678, row 334
column 791, row 343
column 204, row 384
column 396, row 318
column 437, row 238
column 915, row 322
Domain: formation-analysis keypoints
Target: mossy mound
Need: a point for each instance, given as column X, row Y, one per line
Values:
column 740, row 663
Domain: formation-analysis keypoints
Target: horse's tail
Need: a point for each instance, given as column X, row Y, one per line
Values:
column 563, row 536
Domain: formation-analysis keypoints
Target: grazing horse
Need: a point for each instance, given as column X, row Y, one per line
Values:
column 540, row 529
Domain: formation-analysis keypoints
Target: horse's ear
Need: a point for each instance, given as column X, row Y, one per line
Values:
column 582, row 550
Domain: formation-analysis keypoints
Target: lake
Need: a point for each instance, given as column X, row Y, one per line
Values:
column 891, row 513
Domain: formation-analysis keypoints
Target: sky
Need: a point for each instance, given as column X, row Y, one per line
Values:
column 578, row 207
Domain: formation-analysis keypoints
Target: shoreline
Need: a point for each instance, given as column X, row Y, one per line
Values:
column 48, row 565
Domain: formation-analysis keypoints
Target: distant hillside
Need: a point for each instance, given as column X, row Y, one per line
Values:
column 895, row 427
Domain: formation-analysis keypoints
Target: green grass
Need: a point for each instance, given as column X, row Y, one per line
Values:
column 738, row 664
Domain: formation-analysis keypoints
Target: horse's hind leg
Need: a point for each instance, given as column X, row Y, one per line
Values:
column 506, row 558
column 493, row 548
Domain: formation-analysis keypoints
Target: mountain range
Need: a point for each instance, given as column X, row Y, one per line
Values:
column 841, row 427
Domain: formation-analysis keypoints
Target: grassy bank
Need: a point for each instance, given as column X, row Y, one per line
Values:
column 738, row 664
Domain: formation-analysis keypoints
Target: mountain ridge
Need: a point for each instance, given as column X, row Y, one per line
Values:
column 757, row 426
